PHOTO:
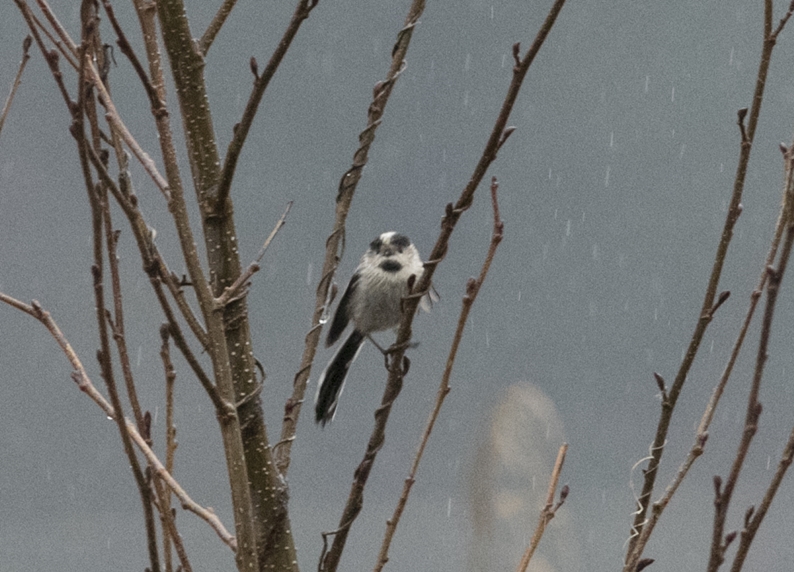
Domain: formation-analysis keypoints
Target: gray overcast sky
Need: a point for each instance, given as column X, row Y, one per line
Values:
column 614, row 189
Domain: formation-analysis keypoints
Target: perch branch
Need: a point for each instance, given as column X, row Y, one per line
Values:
column 399, row 363
column 334, row 245
column 472, row 289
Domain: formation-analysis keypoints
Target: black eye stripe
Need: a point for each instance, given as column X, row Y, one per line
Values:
column 376, row 244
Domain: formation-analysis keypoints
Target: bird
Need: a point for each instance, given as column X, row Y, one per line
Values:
column 373, row 303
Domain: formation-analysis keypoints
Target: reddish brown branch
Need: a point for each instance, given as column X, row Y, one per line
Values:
column 84, row 383
column 399, row 363
column 549, row 509
column 334, row 245
column 472, row 289
column 17, row 79
column 724, row 494
column 734, row 210
column 302, row 10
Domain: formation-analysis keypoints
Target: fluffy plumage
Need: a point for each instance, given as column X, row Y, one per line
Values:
column 373, row 302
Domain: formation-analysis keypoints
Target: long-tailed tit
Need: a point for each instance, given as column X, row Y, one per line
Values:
column 373, row 302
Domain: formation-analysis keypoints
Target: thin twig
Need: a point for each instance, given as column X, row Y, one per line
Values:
column 17, row 79
column 215, row 26
column 724, row 495
column 753, row 518
column 783, row 21
column 549, row 509
column 170, row 534
column 252, row 268
column 97, row 195
column 158, row 106
column 734, row 210
column 302, row 10
column 753, row 522
column 51, row 57
column 158, row 273
column 57, row 26
column 701, row 434
column 334, row 245
column 68, row 55
column 113, row 117
column 472, row 289
column 399, row 363
column 84, row 383
column 117, row 322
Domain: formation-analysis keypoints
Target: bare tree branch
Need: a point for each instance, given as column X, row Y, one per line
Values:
column 215, row 26
column 68, row 54
column 51, row 57
column 114, row 119
column 156, row 269
column 17, row 79
column 723, row 495
column 472, row 289
column 97, row 194
column 549, row 509
column 83, row 381
column 334, row 245
column 58, row 27
column 258, row 492
column 157, row 104
column 399, row 363
column 755, row 517
column 302, row 10
column 734, row 210
column 171, row 535
column 701, row 434
column 238, row 285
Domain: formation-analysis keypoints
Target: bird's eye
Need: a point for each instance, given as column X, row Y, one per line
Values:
column 375, row 245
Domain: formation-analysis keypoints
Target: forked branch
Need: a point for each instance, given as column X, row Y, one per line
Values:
column 399, row 363
column 702, row 432
column 334, row 245
column 472, row 289
column 83, row 381
column 734, row 210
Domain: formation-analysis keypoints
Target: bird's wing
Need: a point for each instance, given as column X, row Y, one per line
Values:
column 342, row 316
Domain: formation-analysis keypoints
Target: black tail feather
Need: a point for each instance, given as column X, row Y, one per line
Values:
column 332, row 380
